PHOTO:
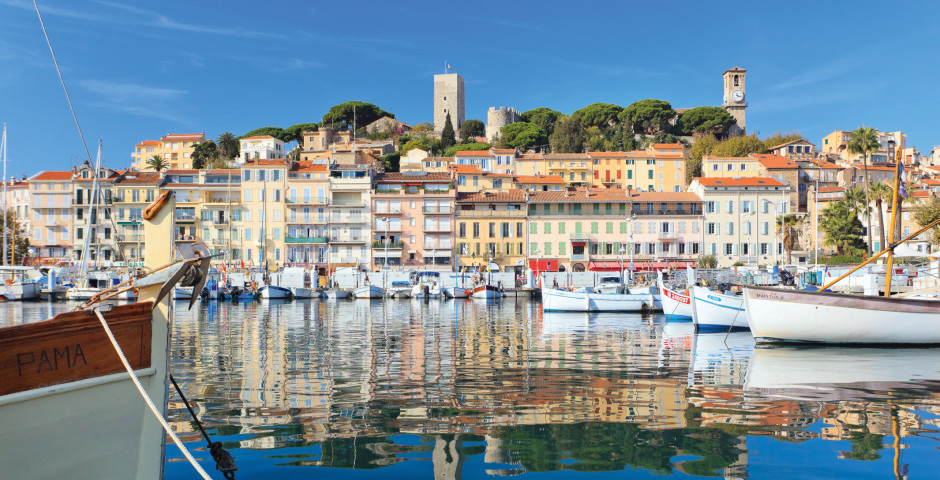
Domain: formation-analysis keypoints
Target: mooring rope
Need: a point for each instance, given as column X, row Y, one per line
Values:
column 143, row 393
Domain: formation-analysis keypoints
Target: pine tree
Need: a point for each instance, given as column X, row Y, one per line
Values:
column 448, row 137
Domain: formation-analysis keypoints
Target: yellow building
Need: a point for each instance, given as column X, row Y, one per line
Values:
column 175, row 148
column 490, row 226
column 262, row 185
column 469, row 178
column 730, row 167
column 132, row 193
column 575, row 168
column 220, row 213
column 308, row 194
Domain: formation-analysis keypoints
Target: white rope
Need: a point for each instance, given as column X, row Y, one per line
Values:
column 166, row 427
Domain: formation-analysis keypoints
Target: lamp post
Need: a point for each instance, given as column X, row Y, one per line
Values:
column 622, row 251
column 748, row 237
column 140, row 255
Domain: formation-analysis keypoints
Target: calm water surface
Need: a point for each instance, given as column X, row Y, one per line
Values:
column 476, row 389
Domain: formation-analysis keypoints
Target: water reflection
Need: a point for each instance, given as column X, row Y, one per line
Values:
column 475, row 388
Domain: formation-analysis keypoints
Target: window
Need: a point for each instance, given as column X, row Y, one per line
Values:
column 730, row 206
column 729, row 249
column 710, row 207
column 519, row 232
column 743, row 167
column 492, row 229
column 730, row 167
column 747, row 206
column 715, row 167
column 650, row 174
column 729, row 228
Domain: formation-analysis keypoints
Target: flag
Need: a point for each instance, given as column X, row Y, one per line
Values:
column 902, row 192
column 826, row 271
column 449, row 67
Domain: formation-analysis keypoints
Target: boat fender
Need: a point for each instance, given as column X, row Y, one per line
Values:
column 154, row 208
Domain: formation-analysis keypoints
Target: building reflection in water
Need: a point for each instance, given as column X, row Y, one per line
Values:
column 368, row 384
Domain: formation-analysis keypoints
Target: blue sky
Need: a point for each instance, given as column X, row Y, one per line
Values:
column 138, row 70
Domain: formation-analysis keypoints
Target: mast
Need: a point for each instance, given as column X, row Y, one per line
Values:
column 6, row 218
column 83, row 270
column 264, row 213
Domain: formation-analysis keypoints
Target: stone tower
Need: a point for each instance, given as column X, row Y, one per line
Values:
column 497, row 118
column 448, row 98
column 734, row 100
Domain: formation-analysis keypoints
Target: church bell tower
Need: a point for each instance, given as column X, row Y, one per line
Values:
column 734, row 99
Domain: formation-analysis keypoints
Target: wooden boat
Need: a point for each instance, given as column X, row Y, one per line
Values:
column 610, row 285
column 712, row 310
column 485, row 291
column 676, row 305
column 456, row 292
column 586, row 300
column 803, row 316
column 275, row 292
column 300, row 292
column 368, row 291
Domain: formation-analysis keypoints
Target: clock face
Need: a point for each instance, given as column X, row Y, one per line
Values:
column 737, row 96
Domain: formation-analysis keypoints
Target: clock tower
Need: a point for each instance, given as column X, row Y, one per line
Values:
column 734, row 100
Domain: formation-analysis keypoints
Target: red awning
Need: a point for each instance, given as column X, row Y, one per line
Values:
column 652, row 266
column 543, row 265
column 607, row 266
column 579, row 242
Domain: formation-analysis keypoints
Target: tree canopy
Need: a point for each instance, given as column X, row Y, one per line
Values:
column 227, row 145
column 203, row 153
column 925, row 213
column 704, row 146
column 424, row 143
column 708, row 120
column 276, row 132
column 448, row 137
column 568, row 136
column 522, row 135
column 599, row 115
column 780, row 138
column 340, row 117
column 544, row 117
column 296, row 132
column 472, row 128
column 19, row 235
column 741, row 146
column 841, row 228
column 647, row 116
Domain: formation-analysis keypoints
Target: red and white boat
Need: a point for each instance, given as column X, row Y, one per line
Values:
column 485, row 291
column 676, row 305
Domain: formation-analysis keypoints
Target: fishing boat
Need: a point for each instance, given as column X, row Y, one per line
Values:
column 275, row 292
column 459, row 290
column 399, row 289
column 803, row 316
column 301, row 292
column 336, row 293
column 485, row 291
column 586, row 300
column 713, row 310
column 655, row 300
column 16, row 283
column 368, row 291
column 94, row 283
column 610, row 285
column 427, row 284
column 182, row 293
column 676, row 305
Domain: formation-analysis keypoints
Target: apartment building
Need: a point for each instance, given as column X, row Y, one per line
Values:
column 133, row 191
column 730, row 167
column 92, row 215
column 221, row 214
column 414, row 160
column 593, row 229
column 575, row 168
column 740, row 218
column 796, row 150
column 490, row 228
column 50, row 213
column 413, row 220
column 308, row 187
column 785, row 171
column 837, row 143
column 350, row 215
column 469, row 178
column 539, row 183
column 262, row 188
column 817, row 205
column 494, row 160
column 175, row 148
column 260, row 147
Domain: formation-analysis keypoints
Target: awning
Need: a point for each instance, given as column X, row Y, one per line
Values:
column 608, row 266
column 653, row 266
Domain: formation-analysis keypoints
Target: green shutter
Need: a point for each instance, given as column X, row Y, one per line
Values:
column 593, row 227
column 629, row 174
column 532, row 247
column 533, row 227
column 610, row 227
column 548, row 227
column 561, row 227
column 548, row 249
column 577, row 227
column 597, row 209
column 623, row 227
column 617, row 247
column 561, row 248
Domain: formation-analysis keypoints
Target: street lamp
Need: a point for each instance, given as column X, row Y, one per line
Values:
column 622, row 251
column 749, row 252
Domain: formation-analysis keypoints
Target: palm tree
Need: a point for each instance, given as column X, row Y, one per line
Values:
column 856, row 199
column 789, row 234
column 863, row 141
column 228, row 145
column 157, row 163
column 881, row 193
column 841, row 226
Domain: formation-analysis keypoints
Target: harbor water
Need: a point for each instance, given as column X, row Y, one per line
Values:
column 470, row 388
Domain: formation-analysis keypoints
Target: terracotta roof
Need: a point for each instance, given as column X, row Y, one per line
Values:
column 466, row 169
column 607, row 154
column 265, row 163
column 152, row 178
column 531, row 156
column 349, row 166
column 539, row 179
column 668, row 197
column 802, row 140
column 566, row 156
column 472, row 153
column 736, row 159
column 181, row 172
column 738, row 182
column 310, row 167
column 259, row 137
column 921, row 193
column 667, row 145
column 503, row 150
column 831, row 189
column 426, row 177
column 770, row 160
column 183, row 136
column 601, row 195
column 930, row 181
column 53, row 175
column 224, row 171
column 515, row 195
column 149, row 142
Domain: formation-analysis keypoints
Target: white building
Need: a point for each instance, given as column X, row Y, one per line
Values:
column 262, row 147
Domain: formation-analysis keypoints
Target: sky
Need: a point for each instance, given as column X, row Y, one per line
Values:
column 140, row 70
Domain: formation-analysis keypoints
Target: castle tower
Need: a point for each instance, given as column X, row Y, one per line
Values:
column 734, row 100
column 497, row 118
column 448, row 98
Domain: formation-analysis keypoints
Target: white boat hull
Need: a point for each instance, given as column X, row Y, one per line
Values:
column 799, row 316
column 486, row 291
column 565, row 301
column 182, row 293
column 82, row 293
column 336, row 294
column 656, row 300
column 714, row 311
column 20, row 291
column 300, row 292
column 274, row 292
column 368, row 291
column 433, row 291
column 676, row 306
column 456, row 292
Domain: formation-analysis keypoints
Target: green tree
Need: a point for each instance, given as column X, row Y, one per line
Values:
column 157, row 163
column 342, row 116
column 708, row 120
column 707, row 261
column 740, row 146
column 296, row 132
column 203, row 153
column 448, row 139
column 703, row 146
column 16, row 236
column 568, row 136
column 789, row 234
column 780, row 138
column 600, row 115
column 450, row 152
column 925, row 213
column 392, row 161
column 227, row 145
column 841, row 227
column 647, row 116
column 424, row 143
column 543, row 117
column 470, row 129
column 276, row 132
column 881, row 193
column 523, row 136
column 863, row 141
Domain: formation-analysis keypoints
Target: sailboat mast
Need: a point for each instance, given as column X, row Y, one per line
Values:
column 83, row 270
column 264, row 213
column 6, row 218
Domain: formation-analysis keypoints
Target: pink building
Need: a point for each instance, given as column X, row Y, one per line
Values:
column 50, row 205
column 412, row 220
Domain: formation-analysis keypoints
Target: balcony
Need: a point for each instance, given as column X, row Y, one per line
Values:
column 347, row 205
column 439, row 210
column 306, row 201
column 579, row 237
column 491, row 213
column 579, row 257
column 347, row 239
column 387, row 211
column 389, row 245
column 348, row 219
column 185, row 238
column 130, row 237
column 436, row 229
column 305, row 239
column 307, row 219
column 185, row 218
column 666, row 235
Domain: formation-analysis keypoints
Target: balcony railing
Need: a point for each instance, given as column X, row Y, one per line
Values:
column 491, row 213
column 579, row 257
column 579, row 237
column 306, row 201
column 347, row 219
column 443, row 210
column 387, row 211
column 305, row 239
column 185, row 218
column 347, row 239
column 380, row 244
column 666, row 235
